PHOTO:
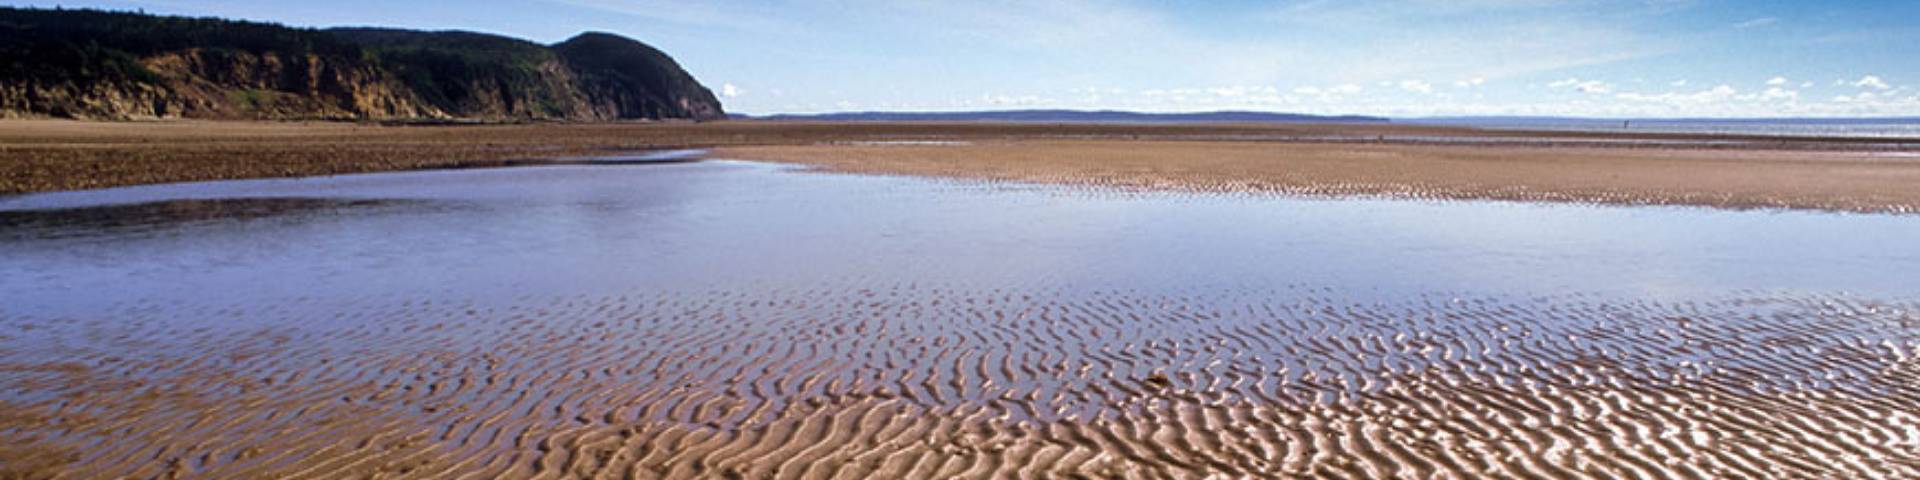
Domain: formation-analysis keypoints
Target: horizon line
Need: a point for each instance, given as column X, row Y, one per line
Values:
column 1903, row 118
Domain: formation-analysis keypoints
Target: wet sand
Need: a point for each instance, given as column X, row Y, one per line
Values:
column 717, row 320
column 50, row 155
column 916, row 381
column 1518, row 169
column 1870, row 175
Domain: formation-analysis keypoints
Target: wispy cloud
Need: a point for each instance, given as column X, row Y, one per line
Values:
column 1868, row 35
column 1582, row 86
column 1871, row 81
column 1756, row 23
column 1488, row 39
column 1701, row 97
column 1777, row 93
column 1476, row 38
column 1541, row 56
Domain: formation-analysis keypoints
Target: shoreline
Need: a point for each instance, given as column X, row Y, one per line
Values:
column 1390, row 160
column 735, row 320
column 1845, row 181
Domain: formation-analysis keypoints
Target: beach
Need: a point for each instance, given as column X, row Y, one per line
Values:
column 953, row 301
column 940, row 239
column 1319, row 159
column 1665, row 174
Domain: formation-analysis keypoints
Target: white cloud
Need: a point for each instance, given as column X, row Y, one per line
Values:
column 1583, row 86
column 1488, row 63
column 1871, row 81
column 1863, row 97
column 999, row 100
column 1711, row 95
column 1342, row 93
column 1336, row 93
column 1718, row 101
column 1231, row 93
column 1495, row 39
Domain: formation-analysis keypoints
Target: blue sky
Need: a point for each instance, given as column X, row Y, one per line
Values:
column 1646, row 58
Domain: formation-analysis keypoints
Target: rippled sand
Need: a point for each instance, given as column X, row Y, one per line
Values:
column 1434, row 161
column 921, row 381
column 1621, row 171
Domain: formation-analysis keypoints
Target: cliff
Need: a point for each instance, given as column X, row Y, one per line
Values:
column 108, row 65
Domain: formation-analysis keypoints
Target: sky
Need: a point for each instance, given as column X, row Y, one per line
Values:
column 1402, row 58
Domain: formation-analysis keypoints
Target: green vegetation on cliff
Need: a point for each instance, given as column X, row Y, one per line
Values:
column 114, row 65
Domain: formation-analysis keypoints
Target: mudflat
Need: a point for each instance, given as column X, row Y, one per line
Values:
column 49, row 155
column 1670, row 174
column 725, row 319
column 746, row 320
column 1873, row 175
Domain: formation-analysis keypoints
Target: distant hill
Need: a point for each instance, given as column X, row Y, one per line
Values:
column 1075, row 116
column 113, row 65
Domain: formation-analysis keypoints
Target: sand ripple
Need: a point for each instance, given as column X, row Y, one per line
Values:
column 920, row 382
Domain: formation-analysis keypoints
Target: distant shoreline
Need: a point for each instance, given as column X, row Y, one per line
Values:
column 1074, row 116
column 1423, row 161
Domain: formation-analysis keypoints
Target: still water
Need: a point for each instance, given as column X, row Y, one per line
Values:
column 725, row 224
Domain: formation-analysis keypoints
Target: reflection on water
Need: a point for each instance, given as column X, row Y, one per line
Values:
column 122, row 220
column 741, row 319
column 728, row 224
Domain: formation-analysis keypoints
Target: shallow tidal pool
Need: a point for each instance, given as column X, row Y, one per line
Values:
column 750, row 319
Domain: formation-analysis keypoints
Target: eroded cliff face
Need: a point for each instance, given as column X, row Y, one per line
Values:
column 200, row 83
column 92, row 101
column 360, row 75
column 215, row 84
